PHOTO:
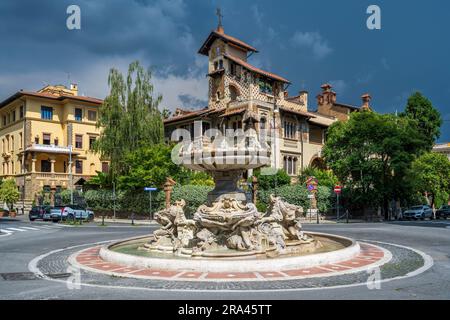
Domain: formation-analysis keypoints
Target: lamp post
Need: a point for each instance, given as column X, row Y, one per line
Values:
column 275, row 112
column 70, row 175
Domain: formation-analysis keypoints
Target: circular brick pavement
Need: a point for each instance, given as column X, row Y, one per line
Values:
column 370, row 256
column 404, row 262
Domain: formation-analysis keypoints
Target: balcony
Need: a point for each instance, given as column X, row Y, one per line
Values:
column 49, row 148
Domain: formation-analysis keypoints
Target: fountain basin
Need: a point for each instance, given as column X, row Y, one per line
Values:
column 349, row 248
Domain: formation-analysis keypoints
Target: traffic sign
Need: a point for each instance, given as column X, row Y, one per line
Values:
column 337, row 189
column 150, row 189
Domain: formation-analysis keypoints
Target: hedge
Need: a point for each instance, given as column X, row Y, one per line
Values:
column 137, row 202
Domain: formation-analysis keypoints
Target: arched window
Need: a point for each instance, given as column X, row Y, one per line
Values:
column 234, row 93
column 289, row 165
column 262, row 123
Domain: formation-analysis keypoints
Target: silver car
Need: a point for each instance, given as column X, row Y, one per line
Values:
column 71, row 212
column 418, row 212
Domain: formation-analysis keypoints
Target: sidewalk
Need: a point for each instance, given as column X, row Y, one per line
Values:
column 126, row 221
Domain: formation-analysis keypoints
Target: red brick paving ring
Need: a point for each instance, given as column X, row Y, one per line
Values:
column 370, row 256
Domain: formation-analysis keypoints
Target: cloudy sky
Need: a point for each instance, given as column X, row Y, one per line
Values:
column 308, row 42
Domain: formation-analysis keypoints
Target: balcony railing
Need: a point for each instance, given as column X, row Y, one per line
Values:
column 50, row 148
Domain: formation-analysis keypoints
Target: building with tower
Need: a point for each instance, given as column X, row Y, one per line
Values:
column 235, row 86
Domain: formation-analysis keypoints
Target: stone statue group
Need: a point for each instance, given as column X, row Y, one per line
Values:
column 227, row 225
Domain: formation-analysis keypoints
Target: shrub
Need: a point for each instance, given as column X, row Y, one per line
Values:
column 267, row 182
column 193, row 195
column 297, row 194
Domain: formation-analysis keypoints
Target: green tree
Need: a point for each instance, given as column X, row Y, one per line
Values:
column 149, row 166
column 129, row 117
column 431, row 174
column 266, row 182
column 9, row 193
column 425, row 118
column 325, row 177
column 371, row 154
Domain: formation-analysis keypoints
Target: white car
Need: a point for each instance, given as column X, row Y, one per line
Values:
column 71, row 212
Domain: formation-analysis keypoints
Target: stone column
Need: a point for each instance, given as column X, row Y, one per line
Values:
column 52, row 196
column 33, row 162
column 52, row 165
column 254, row 189
column 168, row 187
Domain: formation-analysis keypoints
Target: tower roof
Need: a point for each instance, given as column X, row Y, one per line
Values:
column 215, row 34
column 255, row 69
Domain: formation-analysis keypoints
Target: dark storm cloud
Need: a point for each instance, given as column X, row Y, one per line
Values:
column 307, row 42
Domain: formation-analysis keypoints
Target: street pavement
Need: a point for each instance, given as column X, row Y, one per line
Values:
column 18, row 248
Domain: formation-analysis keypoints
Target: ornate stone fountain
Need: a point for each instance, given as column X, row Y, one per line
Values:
column 229, row 225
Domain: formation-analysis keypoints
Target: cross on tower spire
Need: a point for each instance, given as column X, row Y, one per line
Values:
column 219, row 16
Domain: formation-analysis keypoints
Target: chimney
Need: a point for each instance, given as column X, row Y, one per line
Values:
column 366, row 100
column 286, row 94
column 327, row 96
column 326, row 87
column 74, row 89
column 303, row 98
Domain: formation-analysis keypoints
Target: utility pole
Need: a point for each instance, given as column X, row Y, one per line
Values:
column 70, row 174
column 114, row 199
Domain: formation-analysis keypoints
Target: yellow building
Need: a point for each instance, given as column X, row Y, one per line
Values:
column 37, row 130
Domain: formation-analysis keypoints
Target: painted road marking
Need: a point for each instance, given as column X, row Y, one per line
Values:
column 30, row 228
column 5, row 231
column 16, row 229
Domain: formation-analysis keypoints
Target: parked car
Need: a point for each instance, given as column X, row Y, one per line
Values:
column 71, row 212
column 418, row 212
column 443, row 212
column 39, row 212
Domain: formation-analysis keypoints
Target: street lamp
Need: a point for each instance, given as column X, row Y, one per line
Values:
column 275, row 112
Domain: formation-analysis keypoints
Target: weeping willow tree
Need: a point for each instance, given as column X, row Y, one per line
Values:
column 129, row 117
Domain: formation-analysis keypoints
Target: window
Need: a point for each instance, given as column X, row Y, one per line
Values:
column 91, row 142
column 12, row 143
column 92, row 115
column 78, row 114
column 78, row 166
column 315, row 134
column 20, row 140
column 56, row 141
column 46, row 138
column 265, row 86
column 36, row 140
column 46, row 166
column 233, row 93
column 4, row 120
column 262, row 123
column 46, row 113
column 78, row 141
column 233, row 69
column 289, row 130
column 21, row 112
column 14, row 115
column 290, row 165
column 105, row 167
column 220, row 64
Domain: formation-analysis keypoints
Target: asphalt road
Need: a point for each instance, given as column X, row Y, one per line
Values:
column 21, row 241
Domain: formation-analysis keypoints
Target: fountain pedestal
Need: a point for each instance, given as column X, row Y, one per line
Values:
column 226, row 186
